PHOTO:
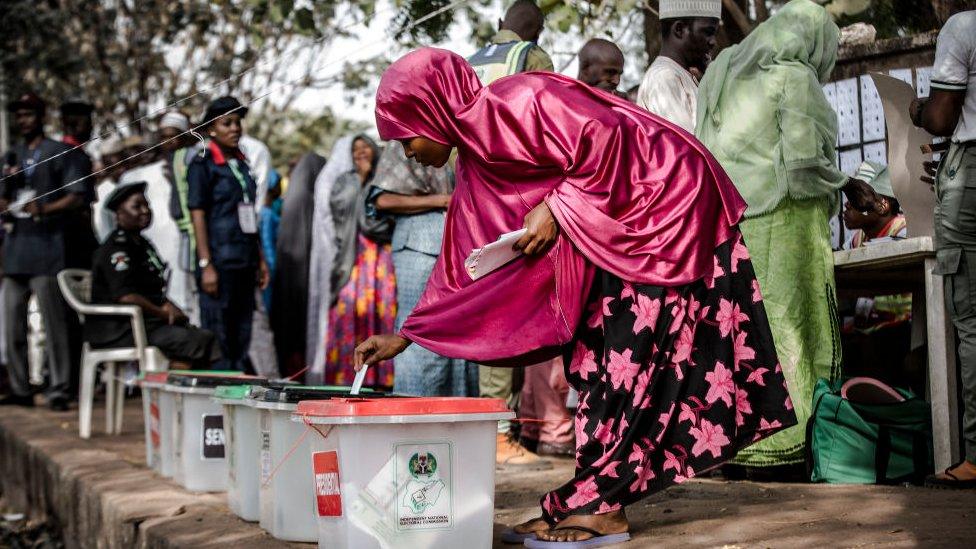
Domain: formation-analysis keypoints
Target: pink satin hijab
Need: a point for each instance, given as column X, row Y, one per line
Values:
column 633, row 194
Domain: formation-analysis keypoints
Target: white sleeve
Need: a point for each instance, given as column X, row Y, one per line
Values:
column 259, row 161
column 661, row 94
column 953, row 55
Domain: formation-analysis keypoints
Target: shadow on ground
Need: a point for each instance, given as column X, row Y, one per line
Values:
column 717, row 513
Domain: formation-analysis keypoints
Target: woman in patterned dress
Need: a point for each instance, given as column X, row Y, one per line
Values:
column 363, row 283
column 634, row 271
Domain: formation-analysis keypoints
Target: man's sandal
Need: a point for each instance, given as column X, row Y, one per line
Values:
column 599, row 539
column 951, row 483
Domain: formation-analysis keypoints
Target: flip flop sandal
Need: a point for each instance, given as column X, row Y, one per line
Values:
column 599, row 539
column 951, row 483
column 509, row 535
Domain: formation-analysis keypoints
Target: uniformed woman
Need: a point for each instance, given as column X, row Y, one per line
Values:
column 126, row 269
column 229, row 258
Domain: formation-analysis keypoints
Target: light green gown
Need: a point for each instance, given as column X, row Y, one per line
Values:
column 762, row 113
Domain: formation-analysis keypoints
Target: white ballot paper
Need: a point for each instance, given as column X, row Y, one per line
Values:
column 357, row 383
column 905, row 155
column 24, row 196
column 488, row 258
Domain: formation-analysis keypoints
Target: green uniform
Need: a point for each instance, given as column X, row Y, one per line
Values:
column 955, row 211
column 955, row 237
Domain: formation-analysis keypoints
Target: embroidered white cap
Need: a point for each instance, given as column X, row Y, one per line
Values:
column 175, row 120
column 673, row 9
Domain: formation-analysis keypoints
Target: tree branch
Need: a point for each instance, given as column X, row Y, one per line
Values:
column 762, row 11
column 740, row 18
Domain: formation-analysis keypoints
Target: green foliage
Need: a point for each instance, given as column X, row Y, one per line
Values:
column 359, row 76
column 433, row 30
column 128, row 57
column 290, row 134
column 890, row 18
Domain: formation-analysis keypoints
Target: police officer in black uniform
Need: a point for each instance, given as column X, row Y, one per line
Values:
column 127, row 270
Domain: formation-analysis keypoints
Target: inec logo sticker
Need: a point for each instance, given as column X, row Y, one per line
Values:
column 422, row 464
column 424, row 498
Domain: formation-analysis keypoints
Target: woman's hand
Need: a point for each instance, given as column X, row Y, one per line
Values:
column 209, row 281
column 541, row 231
column 264, row 274
column 443, row 200
column 861, row 195
column 379, row 348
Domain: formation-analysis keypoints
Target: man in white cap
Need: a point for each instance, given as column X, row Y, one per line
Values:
column 173, row 131
column 178, row 149
column 111, row 151
column 670, row 86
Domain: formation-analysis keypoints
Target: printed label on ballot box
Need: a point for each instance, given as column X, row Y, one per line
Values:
column 328, row 494
column 213, row 436
column 424, row 486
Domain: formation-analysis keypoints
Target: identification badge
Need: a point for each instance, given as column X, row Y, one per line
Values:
column 247, row 218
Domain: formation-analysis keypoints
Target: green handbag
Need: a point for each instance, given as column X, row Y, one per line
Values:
column 876, row 435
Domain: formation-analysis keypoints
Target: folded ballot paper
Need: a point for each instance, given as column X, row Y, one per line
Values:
column 488, row 258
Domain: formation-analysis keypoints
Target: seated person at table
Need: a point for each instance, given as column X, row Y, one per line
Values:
column 876, row 331
column 127, row 270
column 884, row 221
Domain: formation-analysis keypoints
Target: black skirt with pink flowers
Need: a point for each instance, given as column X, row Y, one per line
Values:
column 672, row 382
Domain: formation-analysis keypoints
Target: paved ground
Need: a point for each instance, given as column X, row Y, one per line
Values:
column 99, row 492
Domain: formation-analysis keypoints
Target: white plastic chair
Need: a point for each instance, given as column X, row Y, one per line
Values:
column 75, row 285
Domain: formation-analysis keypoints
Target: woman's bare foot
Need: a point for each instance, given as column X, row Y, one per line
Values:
column 608, row 523
column 535, row 525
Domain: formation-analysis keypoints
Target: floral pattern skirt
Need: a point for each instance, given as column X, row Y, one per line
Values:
column 672, row 383
column 366, row 306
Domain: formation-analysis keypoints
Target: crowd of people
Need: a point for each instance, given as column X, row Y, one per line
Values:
column 677, row 280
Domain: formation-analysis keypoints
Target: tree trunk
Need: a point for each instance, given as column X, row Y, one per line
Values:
column 740, row 17
column 652, row 31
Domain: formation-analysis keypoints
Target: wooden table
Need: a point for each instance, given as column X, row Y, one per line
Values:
column 902, row 266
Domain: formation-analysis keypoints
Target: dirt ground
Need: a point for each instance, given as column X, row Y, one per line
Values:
column 718, row 513
column 91, row 484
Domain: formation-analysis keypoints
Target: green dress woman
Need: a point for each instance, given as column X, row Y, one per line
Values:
column 763, row 114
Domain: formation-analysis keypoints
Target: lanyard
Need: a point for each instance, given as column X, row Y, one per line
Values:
column 30, row 164
column 154, row 259
column 156, row 262
column 240, row 178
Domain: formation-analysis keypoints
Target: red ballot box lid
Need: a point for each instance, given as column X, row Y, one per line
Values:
column 406, row 406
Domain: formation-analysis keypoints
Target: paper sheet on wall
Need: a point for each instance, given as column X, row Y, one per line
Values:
column 872, row 116
column 905, row 75
column 850, row 161
column 877, row 152
column 905, row 156
column 848, row 113
column 924, row 76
